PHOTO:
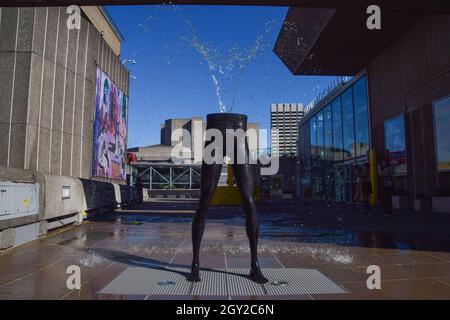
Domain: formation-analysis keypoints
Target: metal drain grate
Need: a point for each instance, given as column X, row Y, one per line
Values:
column 232, row 282
column 240, row 285
column 300, row 281
column 213, row 283
column 144, row 281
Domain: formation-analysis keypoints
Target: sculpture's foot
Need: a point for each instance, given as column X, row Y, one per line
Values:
column 257, row 276
column 195, row 274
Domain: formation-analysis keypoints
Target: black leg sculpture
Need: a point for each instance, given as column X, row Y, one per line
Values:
column 245, row 182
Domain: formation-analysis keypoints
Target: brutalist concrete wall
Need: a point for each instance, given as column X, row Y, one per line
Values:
column 15, row 66
column 47, row 81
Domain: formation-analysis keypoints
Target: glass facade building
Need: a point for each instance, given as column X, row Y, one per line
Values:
column 333, row 139
column 441, row 111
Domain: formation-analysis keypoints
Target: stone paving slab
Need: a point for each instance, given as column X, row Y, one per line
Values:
column 411, row 249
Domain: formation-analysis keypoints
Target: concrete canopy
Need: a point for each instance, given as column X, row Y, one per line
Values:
column 316, row 33
column 317, row 41
column 430, row 6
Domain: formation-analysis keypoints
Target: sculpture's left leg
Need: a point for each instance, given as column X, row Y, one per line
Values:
column 245, row 183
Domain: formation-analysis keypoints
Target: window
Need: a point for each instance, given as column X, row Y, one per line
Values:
column 320, row 136
column 441, row 111
column 361, row 117
column 337, row 129
column 307, row 146
column 313, row 138
column 348, row 124
column 395, row 145
column 328, row 133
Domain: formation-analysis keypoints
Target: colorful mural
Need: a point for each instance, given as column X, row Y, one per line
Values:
column 110, row 129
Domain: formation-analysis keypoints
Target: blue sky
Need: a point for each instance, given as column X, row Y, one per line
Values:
column 181, row 51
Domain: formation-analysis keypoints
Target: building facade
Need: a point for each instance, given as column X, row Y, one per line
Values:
column 402, row 74
column 170, row 165
column 63, row 119
column 284, row 120
column 48, row 84
column 333, row 139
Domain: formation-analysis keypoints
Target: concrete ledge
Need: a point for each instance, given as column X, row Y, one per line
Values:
column 55, row 204
column 7, row 238
column 98, row 194
column 58, row 208
column 441, row 204
column 12, row 223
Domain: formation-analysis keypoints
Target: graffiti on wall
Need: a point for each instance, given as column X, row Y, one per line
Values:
column 110, row 129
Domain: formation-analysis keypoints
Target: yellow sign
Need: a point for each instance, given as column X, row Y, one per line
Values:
column 25, row 203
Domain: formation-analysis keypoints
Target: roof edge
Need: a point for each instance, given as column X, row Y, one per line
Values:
column 111, row 22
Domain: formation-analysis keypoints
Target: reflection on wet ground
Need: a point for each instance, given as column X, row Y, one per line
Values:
column 403, row 231
column 412, row 250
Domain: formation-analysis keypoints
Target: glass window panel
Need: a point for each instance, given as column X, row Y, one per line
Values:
column 320, row 136
column 307, row 157
column 395, row 145
column 328, row 133
column 337, row 129
column 361, row 117
column 313, row 138
column 300, row 144
column 441, row 110
column 348, row 124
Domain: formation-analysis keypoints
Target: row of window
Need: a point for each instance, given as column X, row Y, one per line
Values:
column 395, row 140
column 340, row 130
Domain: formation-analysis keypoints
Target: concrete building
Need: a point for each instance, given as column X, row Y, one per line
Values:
column 49, row 78
column 398, row 101
column 284, row 120
column 172, row 135
column 163, row 166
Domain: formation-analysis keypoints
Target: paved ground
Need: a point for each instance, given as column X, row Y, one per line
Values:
column 412, row 250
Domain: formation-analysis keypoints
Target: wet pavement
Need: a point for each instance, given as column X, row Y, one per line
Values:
column 412, row 250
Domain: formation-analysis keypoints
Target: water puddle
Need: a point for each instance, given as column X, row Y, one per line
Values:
column 285, row 228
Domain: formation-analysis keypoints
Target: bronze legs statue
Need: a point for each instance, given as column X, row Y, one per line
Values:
column 245, row 182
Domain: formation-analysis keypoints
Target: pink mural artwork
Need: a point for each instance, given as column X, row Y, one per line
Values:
column 110, row 129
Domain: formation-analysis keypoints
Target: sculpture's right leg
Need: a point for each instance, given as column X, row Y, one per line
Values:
column 208, row 183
